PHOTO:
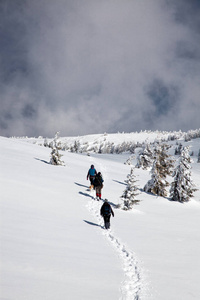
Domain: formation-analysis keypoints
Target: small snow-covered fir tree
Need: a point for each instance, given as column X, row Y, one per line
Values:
column 129, row 160
column 198, row 159
column 144, row 159
column 55, row 155
column 75, row 147
column 162, row 166
column 130, row 192
column 178, row 149
column 182, row 187
column 46, row 143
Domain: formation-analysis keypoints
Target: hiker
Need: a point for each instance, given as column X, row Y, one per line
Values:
column 106, row 211
column 98, row 185
column 91, row 175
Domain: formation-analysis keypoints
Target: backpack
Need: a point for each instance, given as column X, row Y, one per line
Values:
column 107, row 210
column 98, row 180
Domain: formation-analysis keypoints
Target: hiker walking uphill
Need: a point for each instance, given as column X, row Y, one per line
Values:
column 91, row 175
column 98, row 185
column 106, row 211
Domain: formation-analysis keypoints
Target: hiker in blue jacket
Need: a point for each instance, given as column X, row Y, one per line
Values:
column 106, row 211
column 91, row 175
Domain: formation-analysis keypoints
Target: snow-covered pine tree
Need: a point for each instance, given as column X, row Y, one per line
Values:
column 46, row 143
column 75, row 147
column 162, row 166
column 101, row 146
column 144, row 159
column 55, row 155
column 182, row 187
column 129, row 160
column 198, row 159
column 130, row 192
column 178, row 149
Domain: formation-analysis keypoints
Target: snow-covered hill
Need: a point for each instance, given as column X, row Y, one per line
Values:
column 54, row 246
column 114, row 143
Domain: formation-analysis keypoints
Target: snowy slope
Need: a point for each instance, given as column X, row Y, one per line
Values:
column 90, row 142
column 53, row 245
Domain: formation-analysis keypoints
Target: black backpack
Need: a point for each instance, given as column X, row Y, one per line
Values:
column 107, row 210
column 97, row 180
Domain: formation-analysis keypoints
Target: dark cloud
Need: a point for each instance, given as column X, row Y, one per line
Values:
column 28, row 111
column 187, row 13
column 163, row 97
column 94, row 66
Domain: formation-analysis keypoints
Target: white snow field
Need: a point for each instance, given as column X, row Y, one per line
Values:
column 54, row 245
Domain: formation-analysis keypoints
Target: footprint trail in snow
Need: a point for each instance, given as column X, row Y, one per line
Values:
column 132, row 287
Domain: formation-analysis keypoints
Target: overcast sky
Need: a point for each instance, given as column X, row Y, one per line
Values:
column 96, row 66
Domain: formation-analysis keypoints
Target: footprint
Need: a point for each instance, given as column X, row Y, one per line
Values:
column 132, row 286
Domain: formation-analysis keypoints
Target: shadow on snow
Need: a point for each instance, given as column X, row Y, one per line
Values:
column 85, row 194
column 44, row 161
column 123, row 183
column 81, row 184
column 93, row 224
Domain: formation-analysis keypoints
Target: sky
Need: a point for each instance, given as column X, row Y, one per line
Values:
column 83, row 67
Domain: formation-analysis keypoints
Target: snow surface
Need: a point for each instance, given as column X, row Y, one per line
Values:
column 54, row 246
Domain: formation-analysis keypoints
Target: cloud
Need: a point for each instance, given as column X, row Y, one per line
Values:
column 95, row 66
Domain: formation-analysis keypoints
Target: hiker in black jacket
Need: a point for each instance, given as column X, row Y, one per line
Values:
column 106, row 211
column 98, row 185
